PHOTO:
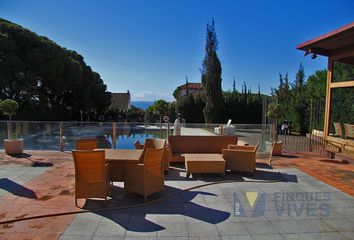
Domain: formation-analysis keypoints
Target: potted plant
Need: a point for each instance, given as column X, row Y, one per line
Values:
column 274, row 112
column 12, row 144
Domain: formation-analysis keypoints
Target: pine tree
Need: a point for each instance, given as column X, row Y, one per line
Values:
column 211, row 77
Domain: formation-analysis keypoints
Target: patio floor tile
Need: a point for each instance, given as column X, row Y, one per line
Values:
column 298, row 236
column 261, row 228
column 313, row 226
column 109, row 229
column 202, row 230
column 75, row 237
column 328, row 236
column 236, row 237
column 288, row 226
column 173, row 230
column 234, row 229
column 268, row 237
column 349, row 235
column 340, row 224
column 85, row 227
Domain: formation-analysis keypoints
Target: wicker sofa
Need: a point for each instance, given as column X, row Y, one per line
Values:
column 180, row 145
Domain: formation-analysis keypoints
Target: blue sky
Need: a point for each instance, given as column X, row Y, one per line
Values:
column 150, row 46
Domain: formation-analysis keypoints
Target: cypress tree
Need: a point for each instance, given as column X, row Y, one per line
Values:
column 234, row 86
column 211, row 77
column 299, row 103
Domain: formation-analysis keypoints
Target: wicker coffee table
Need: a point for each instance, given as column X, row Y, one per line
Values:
column 204, row 163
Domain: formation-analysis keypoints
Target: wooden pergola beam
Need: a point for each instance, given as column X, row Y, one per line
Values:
column 342, row 84
column 338, row 46
column 328, row 98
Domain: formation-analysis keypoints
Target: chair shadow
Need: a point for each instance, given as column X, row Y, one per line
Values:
column 263, row 174
column 41, row 164
column 284, row 156
column 286, row 177
column 134, row 219
column 274, row 176
column 333, row 161
column 263, row 165
column 16, row 189
column 34, row 162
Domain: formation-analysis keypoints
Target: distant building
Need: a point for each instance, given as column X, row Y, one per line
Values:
column 189, row 88
column 122, row 100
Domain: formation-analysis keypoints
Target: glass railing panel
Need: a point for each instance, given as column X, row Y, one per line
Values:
column 36, row 135
column 75, row 130
column 47, row 135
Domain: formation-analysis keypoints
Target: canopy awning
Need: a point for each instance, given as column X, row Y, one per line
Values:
column 338, row 44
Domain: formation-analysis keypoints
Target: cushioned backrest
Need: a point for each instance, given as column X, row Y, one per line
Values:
column 337, row 129
column 152, row 143
column 200, row 144
column 349, row 130
column 159, row 143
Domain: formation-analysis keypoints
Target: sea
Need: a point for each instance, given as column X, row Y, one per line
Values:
column 142, row 104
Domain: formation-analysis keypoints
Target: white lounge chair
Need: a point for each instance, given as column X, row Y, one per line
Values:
column 228, row 129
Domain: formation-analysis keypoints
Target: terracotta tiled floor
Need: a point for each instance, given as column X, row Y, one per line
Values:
column 54, row 193
column 338, row 172
column 54, row 190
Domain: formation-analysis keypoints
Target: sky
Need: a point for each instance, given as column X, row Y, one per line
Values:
column 149, row 47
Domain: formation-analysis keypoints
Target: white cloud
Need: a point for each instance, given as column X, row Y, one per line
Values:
column 151, row 96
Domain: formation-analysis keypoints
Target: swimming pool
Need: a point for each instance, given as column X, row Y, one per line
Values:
column 46, row 135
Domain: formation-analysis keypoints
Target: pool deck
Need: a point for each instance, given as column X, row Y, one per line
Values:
column 204, row 132
column 41, row 182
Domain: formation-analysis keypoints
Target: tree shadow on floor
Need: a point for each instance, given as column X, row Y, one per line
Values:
column 16, row 189
column 135, row 219
column 175, row 201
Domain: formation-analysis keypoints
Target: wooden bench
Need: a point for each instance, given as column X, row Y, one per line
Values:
column 331, row 149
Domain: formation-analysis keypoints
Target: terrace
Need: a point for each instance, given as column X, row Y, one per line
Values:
column 300, row 195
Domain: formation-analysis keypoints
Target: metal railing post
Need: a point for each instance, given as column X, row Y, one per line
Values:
column 168, row 130
column 61, row 139
column 114, row 137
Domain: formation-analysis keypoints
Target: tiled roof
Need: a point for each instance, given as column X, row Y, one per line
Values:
column 191, row 86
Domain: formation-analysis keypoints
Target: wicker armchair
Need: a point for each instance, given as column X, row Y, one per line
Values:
column 155, row 143
column 146, row 178
column 138, row 145
column 86, row 143
column 91, row 174
column 240, row 158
